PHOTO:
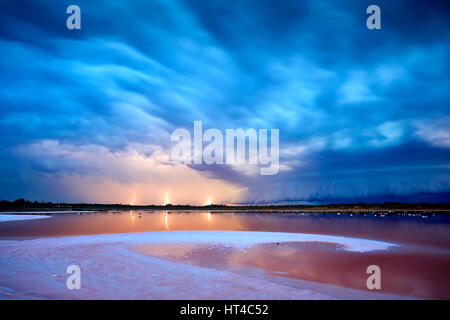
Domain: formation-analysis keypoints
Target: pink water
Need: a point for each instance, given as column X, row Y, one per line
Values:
column 419, row 267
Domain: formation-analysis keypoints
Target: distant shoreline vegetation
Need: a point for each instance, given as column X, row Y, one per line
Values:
column 386, row 207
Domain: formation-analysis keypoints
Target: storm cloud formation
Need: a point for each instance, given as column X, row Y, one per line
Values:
column 363, row 114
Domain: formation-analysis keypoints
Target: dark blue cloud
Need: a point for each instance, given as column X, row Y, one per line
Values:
column 361, row 113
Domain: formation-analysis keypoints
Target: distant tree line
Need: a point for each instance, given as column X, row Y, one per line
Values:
column 22, row 204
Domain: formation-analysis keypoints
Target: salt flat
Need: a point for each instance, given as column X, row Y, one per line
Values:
column 111, row 269
column 20, row 217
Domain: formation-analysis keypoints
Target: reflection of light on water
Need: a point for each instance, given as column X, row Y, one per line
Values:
column 208, row 216
column 132, row 217
column 166, row 220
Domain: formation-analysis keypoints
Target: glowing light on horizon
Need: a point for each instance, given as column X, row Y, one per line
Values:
column 208, row 202
column 133, row 202
column 167, row 201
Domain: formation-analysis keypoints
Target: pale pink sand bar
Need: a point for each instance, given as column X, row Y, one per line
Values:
column 20, row 217
column 111, row 269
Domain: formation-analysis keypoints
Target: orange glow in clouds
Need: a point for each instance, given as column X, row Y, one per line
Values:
column 143, row 170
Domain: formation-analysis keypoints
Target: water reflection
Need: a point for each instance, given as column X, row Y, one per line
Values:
column 208, row 216
column 166, row 220
column 434, row 230
column 425, row 260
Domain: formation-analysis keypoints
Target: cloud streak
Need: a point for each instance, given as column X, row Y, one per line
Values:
column 361, row 113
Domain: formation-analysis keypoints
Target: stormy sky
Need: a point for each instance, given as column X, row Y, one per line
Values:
column 86, row 115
